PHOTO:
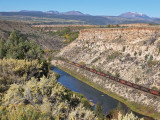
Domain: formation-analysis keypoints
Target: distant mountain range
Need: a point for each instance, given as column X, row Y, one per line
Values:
column 134, row 15
column 56, row 12
column 125, row 18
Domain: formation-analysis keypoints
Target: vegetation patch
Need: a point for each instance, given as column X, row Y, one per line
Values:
column 67, row 34
column 19, row 48
column 113, row 55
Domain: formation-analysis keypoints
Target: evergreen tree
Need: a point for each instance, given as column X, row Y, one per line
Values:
column 2, row 49
column 99, row 111
column 18, row 48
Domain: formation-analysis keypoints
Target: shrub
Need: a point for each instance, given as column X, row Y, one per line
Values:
column 143, row 66
column 147, row 70
column 140, row 53
column 155, row 88
column 82, row 63
column 119, row 106
column 99, row 111
column 113, row 55
column 93, row 67
column 50, row 98
column 22, row 112
column 151, row 58
column 146, row 57
column 108, row 73
column 19, row 71
column 124, row 48
column 117, row 74
column 137, row 80
column 152, row 63
column 67, row 34
column 80, row 113
column 128, row 116
column 135, row 53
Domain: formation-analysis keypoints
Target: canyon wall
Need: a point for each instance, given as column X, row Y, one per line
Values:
column 131, row 53
column 132, row 95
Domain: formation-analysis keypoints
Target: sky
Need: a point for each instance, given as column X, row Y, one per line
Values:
column 92, row 7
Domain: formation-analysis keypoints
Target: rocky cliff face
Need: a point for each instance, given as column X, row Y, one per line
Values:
column 132, row 95
column 133, row 53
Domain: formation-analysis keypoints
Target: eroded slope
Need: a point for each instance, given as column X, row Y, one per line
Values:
column 133, row 53
column 45, row 40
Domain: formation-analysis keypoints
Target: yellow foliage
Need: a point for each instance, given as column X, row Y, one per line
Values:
column 13, row 71
column 66, row 36
column 22, row 112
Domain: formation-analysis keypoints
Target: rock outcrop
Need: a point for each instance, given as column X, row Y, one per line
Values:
column 131, row 52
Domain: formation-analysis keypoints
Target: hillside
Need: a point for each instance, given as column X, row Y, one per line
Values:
column 29, row 89
column 132, row 52
column 27, row 31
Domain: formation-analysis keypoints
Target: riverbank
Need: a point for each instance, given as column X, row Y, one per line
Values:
column 144, row 110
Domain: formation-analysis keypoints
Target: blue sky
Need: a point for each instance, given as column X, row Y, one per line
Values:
column 93, row 7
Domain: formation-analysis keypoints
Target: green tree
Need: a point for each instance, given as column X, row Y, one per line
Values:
column 99, row 111
column 2, row 48
column 18, row 48
column 117, row 26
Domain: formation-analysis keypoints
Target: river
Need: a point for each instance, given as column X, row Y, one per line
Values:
column 89, row 92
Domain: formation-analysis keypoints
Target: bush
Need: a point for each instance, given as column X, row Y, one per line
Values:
column 67, row 34
column 50, row 98
column 117, row 74
column 155, row 88
column 137, row 80
column 93, row 67
column 140, row 53
column 146, row 57
column 20, row 71
column 114, row 55
column 22, row 112
column 80, row 113
column 135, row 53
column 99, row 111
column 119, row 106
column 124, row 48
column 143, row 66
column 152, row 63
column 108, row 73
column 128, row 116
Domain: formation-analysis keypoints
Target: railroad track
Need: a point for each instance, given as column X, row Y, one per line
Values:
column 119, row 80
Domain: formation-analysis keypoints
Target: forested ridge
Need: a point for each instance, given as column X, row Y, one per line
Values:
column 29, row 89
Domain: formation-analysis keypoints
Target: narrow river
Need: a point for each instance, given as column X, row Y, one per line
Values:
column 90, row 93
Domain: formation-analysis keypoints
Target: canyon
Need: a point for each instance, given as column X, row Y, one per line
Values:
column 131, row 53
